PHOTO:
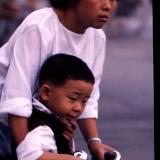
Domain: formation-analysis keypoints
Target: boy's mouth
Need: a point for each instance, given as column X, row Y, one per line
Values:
column 71, row 117
column 68, row 118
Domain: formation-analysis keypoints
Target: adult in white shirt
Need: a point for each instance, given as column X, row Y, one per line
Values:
column 69, row 27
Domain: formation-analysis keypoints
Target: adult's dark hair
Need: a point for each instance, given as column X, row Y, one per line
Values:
column 63, row 4
column 59, row 68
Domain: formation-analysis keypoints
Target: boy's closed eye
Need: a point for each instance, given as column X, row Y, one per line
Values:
column 73, row 98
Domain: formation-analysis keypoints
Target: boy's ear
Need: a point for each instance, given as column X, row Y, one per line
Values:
column 45, row 92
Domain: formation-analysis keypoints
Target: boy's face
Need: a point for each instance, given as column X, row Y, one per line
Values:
column 67, row 101
column 94, row 13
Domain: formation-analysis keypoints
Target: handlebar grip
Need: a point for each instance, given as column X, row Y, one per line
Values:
column 107, row 156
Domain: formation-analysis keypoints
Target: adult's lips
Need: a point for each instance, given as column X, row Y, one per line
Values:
column 103, row 18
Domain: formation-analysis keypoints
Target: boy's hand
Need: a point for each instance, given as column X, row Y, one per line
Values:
column 99, row 149
column 69, row 130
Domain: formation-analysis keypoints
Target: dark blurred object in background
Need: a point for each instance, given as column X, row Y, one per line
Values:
column 8, row 9
column 8, row 12
column 12, row 13
column 127, row 7
column 132, row 18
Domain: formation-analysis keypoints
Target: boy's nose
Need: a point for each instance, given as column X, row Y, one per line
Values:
column 78, row 107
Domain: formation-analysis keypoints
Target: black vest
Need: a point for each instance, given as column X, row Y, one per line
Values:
column 39, row 118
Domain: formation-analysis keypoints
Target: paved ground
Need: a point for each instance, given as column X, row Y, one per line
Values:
column 126, row 103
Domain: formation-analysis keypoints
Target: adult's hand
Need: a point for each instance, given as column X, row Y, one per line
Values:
column 99, row 149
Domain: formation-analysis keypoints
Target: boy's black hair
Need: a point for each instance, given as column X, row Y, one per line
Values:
column 63, row 4
column 59, row 68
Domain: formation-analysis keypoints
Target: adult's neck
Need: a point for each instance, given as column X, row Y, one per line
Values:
column 69, row 20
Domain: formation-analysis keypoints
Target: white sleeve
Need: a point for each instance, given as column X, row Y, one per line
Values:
column 91, row 108
column 29, row 52
column 35, row 143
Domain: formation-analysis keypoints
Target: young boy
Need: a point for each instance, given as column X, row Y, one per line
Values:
column 70, row 26
column 65, row 85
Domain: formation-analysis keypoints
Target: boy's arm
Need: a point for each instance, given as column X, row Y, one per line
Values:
column 19, row 127
column 39, row 144
column 55, row 156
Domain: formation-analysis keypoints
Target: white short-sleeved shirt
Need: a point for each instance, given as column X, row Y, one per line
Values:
column 40, row 35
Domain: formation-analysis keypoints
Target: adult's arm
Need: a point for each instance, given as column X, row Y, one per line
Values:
column 91, row 108
column 19, row 126
column 29, row 50
column 88, row 120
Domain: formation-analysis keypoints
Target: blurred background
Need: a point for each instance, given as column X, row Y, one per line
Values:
column 126, row 103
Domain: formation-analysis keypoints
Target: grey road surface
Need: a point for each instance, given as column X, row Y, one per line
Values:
column 126, row 103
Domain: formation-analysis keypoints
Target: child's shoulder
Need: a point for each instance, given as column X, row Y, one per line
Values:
column 99, row 34
column 40, row 15
column 41, row 21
